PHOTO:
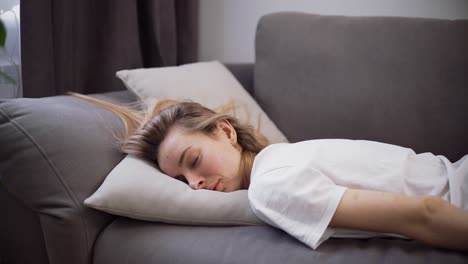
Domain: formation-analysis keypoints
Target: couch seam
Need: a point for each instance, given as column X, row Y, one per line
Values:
column 54, row 169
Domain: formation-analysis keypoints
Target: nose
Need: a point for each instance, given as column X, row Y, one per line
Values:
column 195, row 181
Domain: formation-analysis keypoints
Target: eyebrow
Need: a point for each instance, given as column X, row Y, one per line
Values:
column 183, row 155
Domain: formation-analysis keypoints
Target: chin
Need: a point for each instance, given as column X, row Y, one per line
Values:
column 231, row 186
column 228, row 189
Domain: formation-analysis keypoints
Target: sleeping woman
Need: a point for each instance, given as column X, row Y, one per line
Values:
column 312, row 189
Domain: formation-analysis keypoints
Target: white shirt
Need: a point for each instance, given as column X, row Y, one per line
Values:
column 297, row 186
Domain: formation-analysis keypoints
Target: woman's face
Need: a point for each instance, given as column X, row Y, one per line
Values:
column 203, row 161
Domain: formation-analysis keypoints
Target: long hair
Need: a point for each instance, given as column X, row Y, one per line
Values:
column 145, row 129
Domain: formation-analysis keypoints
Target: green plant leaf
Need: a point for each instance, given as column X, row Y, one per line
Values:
column 2, row 34
column 7, row 77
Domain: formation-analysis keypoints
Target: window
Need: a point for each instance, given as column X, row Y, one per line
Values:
column 10, row 55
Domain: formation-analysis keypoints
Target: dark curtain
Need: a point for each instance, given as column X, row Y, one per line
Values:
column 78, row 45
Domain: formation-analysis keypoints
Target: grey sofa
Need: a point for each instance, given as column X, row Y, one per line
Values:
column 397, row 80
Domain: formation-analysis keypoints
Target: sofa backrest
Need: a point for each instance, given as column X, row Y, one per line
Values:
column 397, row 80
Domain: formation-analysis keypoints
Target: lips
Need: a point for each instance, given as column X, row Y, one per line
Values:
column 216, row 185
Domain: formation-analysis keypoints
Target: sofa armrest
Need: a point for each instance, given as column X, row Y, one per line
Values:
column 55, row 152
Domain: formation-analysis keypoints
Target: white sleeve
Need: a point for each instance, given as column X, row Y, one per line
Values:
column 299, row 200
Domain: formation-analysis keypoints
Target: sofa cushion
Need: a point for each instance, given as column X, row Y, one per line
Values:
column 149, row 242
column 402, row 81
column 55, row 152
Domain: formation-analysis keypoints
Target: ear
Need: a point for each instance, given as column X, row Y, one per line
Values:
column 228, row 130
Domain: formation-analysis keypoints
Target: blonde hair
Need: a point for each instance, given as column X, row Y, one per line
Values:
column 145, row 129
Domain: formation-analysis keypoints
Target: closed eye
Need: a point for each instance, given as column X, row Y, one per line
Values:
column 195, row 162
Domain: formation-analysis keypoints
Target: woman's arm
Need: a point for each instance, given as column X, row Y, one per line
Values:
column 429, row 219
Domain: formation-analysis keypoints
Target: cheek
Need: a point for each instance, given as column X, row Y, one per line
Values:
column 214, row 163
column 222, row 161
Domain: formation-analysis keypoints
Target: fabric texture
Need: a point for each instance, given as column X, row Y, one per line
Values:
column 362, row 78
column 19, row 219
column 78, row 45
column 299, row 200
column 208, row 83
column 297, row 187
column 137, row 189
column 54, row 153
column 458, row 181
column 151, row 242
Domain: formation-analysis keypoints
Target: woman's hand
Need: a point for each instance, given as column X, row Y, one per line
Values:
column 426, row 218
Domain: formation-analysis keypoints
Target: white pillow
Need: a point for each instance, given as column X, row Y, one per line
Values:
column 208, row 83
column 137, row 189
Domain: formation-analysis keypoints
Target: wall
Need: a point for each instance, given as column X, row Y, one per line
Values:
column 227, row 27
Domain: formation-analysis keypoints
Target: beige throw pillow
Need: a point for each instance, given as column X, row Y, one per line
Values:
column 208, row 83
column 136, row 189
